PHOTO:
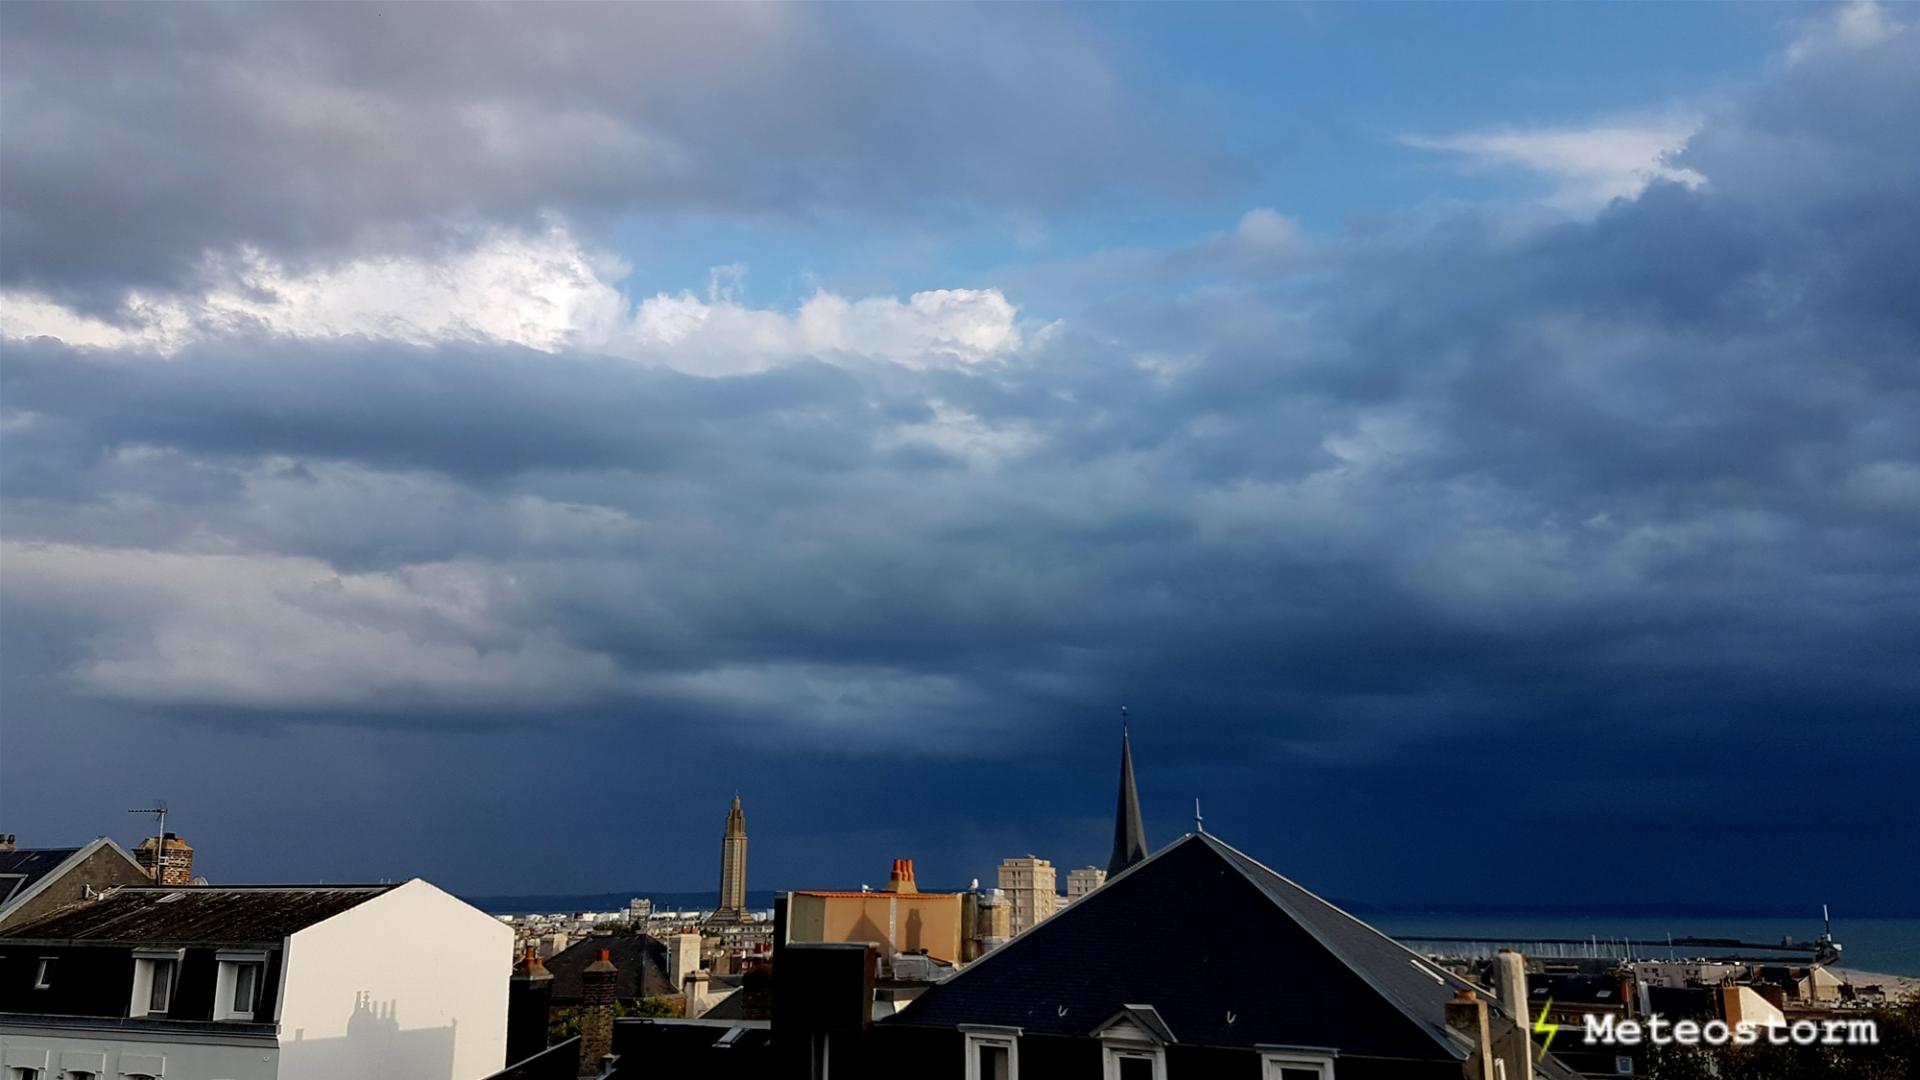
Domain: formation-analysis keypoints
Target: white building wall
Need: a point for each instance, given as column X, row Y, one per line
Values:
column 55, row 1051
column 411, row 985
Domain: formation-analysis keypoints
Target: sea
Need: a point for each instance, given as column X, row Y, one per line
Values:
column 1889, row 946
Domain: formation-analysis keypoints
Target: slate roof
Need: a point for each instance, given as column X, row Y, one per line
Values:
column 1227, row 952
column 641, row 962
column 224, row 915
column 22, row 867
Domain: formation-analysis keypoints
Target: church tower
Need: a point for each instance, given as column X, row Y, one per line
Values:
column 733, row 866
column 1129, row 833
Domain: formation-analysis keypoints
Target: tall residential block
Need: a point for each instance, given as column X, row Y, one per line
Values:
column 1029, row 885
column 1083, row 881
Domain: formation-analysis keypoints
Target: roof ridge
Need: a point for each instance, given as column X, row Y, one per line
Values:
column 1438, row 1031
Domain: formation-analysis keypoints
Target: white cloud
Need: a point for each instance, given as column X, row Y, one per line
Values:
column 1589, row 166
column 1267, row 231
column 1857, row 25
column 539, row 290
column 544, row 291
column 966, row 436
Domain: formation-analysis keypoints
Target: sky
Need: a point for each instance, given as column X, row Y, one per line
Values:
column 1479, row 444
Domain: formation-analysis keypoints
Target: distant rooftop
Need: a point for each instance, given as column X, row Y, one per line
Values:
column 248, row 914
column 21, row 867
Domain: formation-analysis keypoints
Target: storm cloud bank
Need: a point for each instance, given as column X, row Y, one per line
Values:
column 323, row 404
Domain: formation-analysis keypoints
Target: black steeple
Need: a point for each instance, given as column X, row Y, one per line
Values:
column 1129, row 834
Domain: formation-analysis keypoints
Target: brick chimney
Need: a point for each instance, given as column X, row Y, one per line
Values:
column 596, row 1011
column 529, row 1000
column 901, row 879
column 176, row 860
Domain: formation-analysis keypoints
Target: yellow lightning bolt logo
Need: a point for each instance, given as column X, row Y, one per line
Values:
column 1540, row 1026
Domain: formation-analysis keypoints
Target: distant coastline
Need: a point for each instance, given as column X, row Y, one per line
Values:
column 1889, row 944
column 530, row 903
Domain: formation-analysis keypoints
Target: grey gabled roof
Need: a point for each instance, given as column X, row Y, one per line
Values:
column 253, row 914
column 1261, row 961
column 1414, row 985
column 26, row 871
column 21, row 869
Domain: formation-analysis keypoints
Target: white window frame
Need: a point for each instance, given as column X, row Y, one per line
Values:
column 1112, row 1052
column 226, row 982
column 1272, row 1061
column 145, row 963
column 979, row 1036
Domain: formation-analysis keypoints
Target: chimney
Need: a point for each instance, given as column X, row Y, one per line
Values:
column 1515, row 1047
column 683, row 957
column 901, row 879
column 696, row 996
column 175, row 858
column 596, row 1011
column 529, row 1001
column 1467, row 1014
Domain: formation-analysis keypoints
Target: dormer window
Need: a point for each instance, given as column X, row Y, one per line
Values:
column 1293, row 1064
column 154, row 975
column 237, row 989
column 1133, row 1044
column 1135, row 1063
column 993, row 1053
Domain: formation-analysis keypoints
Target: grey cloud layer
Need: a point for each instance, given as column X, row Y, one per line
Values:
column 1645, row 486
column 322, row 130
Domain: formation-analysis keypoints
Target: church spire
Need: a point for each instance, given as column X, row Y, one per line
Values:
column 1129, row 834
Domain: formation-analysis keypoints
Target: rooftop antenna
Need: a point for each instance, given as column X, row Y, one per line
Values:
column 159, row 812
column 1199, row 823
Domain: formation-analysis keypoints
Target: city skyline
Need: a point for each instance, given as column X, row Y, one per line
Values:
column 472, row 443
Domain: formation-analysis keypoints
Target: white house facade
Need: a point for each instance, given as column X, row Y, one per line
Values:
column 389, row 982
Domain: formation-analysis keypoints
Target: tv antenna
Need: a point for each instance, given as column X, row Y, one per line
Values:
column 159, row 812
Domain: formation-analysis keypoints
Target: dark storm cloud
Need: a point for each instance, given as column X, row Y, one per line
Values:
column 322, row 130
column 1606, row 523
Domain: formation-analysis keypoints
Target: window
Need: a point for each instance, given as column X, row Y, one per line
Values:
column 1289, row 1065
column 43, row 979
column 1135, row 1063
column 993, row 1055
column 237, row 990
column 161, row 992
column 23, row 1074
column 153, row 979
